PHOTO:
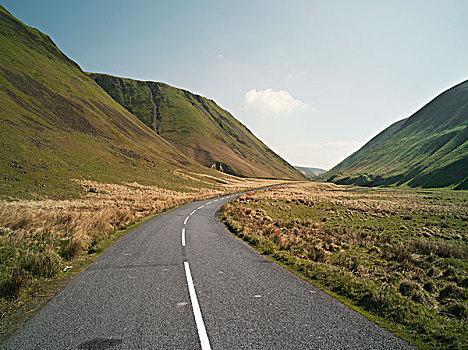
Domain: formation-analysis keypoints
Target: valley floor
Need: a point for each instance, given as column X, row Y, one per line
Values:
column 182, row 281
column 45, row 243
column 397, row 255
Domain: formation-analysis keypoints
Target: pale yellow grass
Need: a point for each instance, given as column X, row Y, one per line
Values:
column 79, row 224
column 379, row 201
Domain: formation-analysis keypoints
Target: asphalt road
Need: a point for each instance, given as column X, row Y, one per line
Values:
column 182, row 281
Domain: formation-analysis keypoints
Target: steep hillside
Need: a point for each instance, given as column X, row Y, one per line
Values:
column 57, row 124
column 429, row 149
column 198, row 127
column 368, row 147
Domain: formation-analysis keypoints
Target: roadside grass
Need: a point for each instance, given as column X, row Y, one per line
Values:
column 45, row 243
column 398, row 256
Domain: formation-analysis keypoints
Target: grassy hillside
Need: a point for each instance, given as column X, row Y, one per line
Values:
column 198, row 127
column 57, row 124
column 429, row 149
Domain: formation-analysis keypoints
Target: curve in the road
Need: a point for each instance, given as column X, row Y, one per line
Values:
column 182, row 281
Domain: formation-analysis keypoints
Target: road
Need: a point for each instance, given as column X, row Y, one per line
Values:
column 182, row 281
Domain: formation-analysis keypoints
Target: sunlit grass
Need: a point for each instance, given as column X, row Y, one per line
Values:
column 398, row 255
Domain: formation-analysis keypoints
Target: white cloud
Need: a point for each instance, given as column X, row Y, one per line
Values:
column 273, row 102
column 219, row 56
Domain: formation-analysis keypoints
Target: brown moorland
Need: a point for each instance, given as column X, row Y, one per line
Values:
column 397, row 255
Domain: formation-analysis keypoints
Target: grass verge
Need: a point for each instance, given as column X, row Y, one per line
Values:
column 37, row 292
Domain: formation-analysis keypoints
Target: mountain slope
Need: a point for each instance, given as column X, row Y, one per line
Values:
column 198, row 127
column 57, row 124
column 367, row 148
column 429, row 149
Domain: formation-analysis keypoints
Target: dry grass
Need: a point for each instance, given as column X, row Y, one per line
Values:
column 104, row 208
column 399, row 254
column 38, row 239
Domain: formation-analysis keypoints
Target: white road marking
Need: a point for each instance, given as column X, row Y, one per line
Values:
column 193, row 212
column 201, row 206
column 209, row 203
column 186, row 219
column 204, row 341
column 183, row 237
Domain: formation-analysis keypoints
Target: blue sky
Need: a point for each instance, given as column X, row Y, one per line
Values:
column 314, row 80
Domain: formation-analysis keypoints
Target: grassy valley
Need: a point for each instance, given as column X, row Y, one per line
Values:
column 77, row 169
column 398, row 256
column 85, row 156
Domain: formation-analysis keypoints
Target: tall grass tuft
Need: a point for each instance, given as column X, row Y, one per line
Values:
column 11, row 281
column 440, row 248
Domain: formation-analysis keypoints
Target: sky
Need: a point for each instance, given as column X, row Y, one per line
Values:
column 314, row 80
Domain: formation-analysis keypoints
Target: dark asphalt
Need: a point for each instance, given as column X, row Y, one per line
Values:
column 135, row 296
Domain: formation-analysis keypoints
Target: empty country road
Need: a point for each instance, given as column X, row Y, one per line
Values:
column 182, row 281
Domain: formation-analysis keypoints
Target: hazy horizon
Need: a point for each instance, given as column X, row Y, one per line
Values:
column 313, row 80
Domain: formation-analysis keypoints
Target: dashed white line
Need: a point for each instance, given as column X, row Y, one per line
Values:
column 183, row 237
column 205, row 343
column 186, row 219
column 209, row 203
column 200, row 206
column 193, row 212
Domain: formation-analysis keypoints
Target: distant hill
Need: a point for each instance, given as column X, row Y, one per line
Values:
column 57, row 124
column 198, row 127
column 310, row 171
column 428, row 149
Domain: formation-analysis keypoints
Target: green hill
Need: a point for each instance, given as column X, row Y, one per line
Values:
column 368, row 147
column 57, row 124
column 429, row 149
column 198, row 127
